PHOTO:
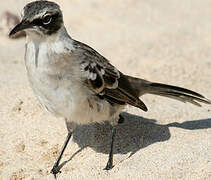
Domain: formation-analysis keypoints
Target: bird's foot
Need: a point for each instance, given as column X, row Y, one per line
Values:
column 55, row 170
column 109, row 166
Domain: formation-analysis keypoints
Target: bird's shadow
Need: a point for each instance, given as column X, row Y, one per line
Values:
column 135, row 133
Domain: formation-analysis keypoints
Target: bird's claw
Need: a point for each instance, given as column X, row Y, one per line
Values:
column 109, row 166
column 55, row 170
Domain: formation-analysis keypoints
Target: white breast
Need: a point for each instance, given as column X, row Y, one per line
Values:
column 55, row 81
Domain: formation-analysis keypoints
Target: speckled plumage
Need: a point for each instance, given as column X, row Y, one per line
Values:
column 32, row 9
column 74, row 81
column 34, row 13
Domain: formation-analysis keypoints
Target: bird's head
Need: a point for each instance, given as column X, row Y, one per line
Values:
column 41, row 18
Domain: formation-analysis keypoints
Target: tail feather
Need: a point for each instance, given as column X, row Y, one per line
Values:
column 181, row 94
column 175, row 88
column 142, row 86
column 181, row 98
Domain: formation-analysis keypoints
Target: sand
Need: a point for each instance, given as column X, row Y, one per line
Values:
column 164, row 41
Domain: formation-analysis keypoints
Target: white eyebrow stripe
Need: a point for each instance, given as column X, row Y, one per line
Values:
column 39, row 15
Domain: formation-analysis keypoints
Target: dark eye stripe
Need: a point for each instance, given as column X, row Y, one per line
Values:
column 52, row 27
column 39, row 21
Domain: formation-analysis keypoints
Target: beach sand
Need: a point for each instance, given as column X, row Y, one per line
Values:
column 163, row 41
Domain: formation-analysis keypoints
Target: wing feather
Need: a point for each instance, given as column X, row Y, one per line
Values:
column 105, row 80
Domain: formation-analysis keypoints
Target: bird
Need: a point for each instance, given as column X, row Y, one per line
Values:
column 73, row 81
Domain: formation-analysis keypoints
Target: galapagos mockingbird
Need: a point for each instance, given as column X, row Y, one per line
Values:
column 73, row 81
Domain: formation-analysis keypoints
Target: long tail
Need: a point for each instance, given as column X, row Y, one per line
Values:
column 142, row 86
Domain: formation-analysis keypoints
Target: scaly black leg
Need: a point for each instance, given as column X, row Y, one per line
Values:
column 110, row 160
column 55, row 170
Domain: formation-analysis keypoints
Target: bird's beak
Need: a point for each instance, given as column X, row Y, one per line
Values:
column 19, row 27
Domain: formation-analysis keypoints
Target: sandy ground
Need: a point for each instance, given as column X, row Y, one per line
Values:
column 165, row 41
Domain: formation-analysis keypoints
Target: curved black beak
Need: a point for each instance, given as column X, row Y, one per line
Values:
column 19, row 27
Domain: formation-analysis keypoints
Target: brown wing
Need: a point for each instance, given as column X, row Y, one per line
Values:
column 104, row 79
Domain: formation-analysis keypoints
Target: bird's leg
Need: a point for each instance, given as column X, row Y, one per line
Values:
column 55, row 170
column 110, row 159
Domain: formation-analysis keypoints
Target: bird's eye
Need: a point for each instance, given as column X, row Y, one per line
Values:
column 46, row 19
